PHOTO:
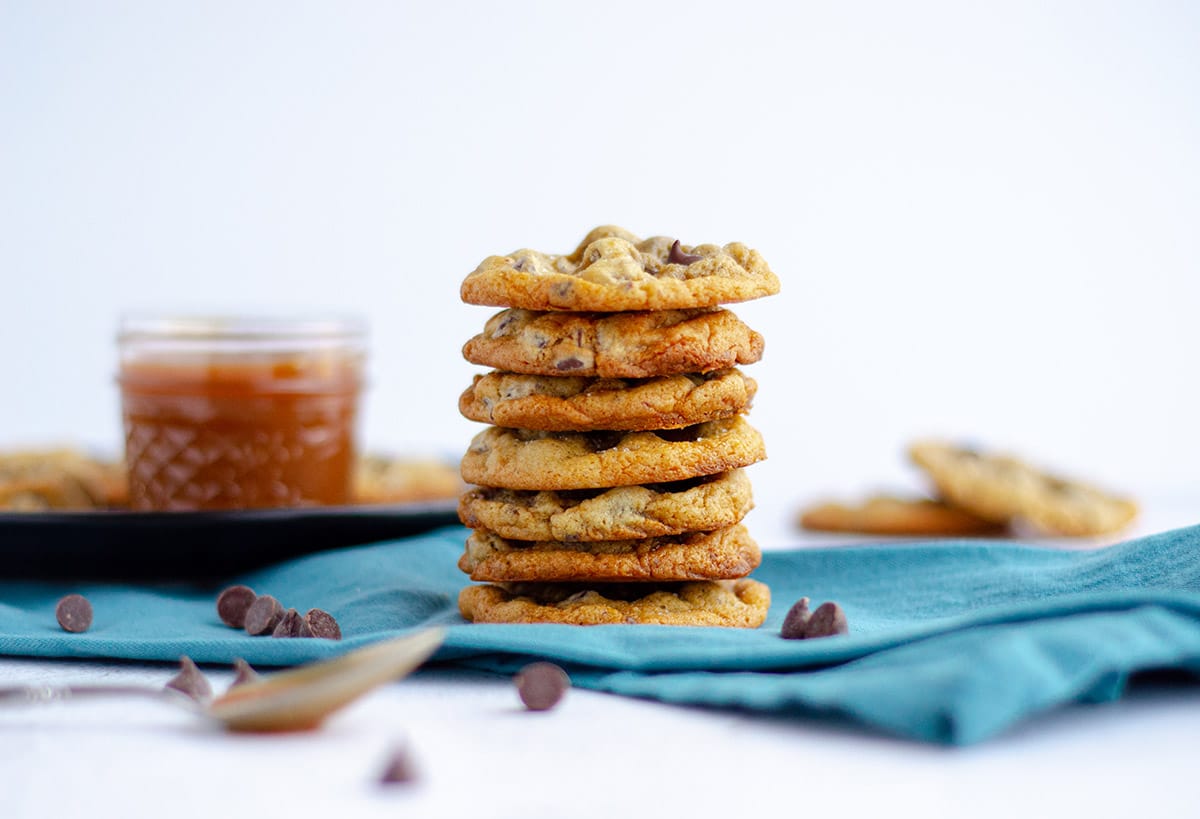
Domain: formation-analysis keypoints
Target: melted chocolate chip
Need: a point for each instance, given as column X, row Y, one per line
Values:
column 600, row 441
column 541, row 685
column 796, row 621
column 233, row 603
column 264, row 615
column 678, row 436
column 321, row 624
column 568, row 364
column 190, row 681
column 74, row 613
column 677, row 256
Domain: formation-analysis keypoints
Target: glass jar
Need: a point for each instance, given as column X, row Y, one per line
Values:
column 239, row 413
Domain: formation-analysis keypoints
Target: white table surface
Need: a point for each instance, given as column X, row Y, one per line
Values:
column 478, row 753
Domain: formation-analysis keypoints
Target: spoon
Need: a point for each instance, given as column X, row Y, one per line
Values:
column 295, row 700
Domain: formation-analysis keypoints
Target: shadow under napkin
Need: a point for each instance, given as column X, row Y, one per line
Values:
column 951, row 641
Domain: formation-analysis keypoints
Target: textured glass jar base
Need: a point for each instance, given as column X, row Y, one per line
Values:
column 188, row 453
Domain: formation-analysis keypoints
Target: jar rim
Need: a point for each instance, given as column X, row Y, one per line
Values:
column 239, row 327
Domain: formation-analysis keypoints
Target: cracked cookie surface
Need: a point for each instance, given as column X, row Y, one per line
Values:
column 624, row 512
column 723, row 554
column 614, row 270
column 731, row 603
column 614, row 345
column 571, row 403
column 887, row 515
column 536, row 459
column 1002, row 488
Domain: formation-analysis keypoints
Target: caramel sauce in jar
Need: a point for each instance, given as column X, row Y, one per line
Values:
column 239, row 413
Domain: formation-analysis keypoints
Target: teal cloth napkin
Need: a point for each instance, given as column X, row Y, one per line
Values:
column 950, row 642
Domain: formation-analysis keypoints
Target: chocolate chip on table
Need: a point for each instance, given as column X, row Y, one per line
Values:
column 677, row 256
column 796, row 621
column 190, row 681
column 233, row 603
column 74, row 613
column 826, row 621
column 264, row 615
column 541, row 685
column 399, row 769
column 245, row 674
column 291, row 624
column 322, row 625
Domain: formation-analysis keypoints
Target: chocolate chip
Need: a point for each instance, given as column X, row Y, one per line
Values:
column 796, row 620
column 233, row 603
column 245, row 674
column 568, row 364
column 190, row 681
column 600, row 441
column 677, row 256
column 519, row 264
column 322, row 625
column 826, row 621
column 264, row 615
column 74, row 613
column 399, row 769
column 291, row 624
column 541, row 685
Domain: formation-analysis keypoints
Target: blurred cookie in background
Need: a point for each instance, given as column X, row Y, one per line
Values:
column 892, row 515
column 396, row 479
column 978, row 493
column 62, row 479
column 1004, row 489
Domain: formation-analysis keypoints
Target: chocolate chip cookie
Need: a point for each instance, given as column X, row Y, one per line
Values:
column 614, row 345
column 1002, row 488
column 535, row 459
column 383, row 479
column 736, row 603
column 719, row 555
column 625, row 512
column 614, row 270
column 59, row 479
column 581, row 404
column 887, row 515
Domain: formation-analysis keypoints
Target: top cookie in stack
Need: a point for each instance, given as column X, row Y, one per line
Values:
column 609, row 489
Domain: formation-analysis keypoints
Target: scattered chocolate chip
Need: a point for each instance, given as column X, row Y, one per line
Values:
column 233, row 603
column 826, row 621
column 519, row 264
column 74, row 613
column 796, row 620
column 677, row 256
column 322, row 625
column 399, row 769
column 245, row 674
column 190, row 681
column 291, row 624
column 568, row 364
column 541, row 685
column 264, row 615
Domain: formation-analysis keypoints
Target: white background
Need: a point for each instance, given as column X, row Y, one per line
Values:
column 984, row 217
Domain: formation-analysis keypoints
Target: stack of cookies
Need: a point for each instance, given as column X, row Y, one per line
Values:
column 609, row 484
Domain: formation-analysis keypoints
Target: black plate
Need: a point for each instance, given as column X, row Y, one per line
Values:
column 195, row 545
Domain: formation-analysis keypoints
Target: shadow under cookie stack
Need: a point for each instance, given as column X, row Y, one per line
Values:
column 609, row 485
